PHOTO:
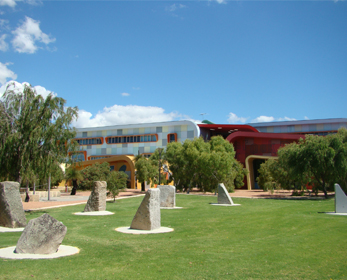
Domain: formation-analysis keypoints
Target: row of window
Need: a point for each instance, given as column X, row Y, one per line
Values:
column 90, row 141
column 132, row 139
column 171, row 137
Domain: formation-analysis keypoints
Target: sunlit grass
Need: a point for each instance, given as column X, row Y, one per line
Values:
column 261, row 239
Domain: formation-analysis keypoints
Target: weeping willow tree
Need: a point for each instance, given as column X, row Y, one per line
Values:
column 35, row 133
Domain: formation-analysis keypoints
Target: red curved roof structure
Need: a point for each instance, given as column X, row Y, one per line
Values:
column 228, row 127
column 282, row 136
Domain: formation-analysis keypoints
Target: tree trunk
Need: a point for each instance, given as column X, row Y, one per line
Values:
column 324, row 190
column 27, row 198
column 75, row 186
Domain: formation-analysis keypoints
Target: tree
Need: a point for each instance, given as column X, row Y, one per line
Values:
column 35, row 133
column 92, row 173
column 145, row 170
column 204, row 164
column 75, row 175
column 116, row 181
column 316, row 160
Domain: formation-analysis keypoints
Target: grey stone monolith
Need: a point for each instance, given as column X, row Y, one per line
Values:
column 42, row 235
column 147, row 216
column 11, row 207
column 97, row 199
column 340, row 200
column 223, row 195
column 167, row 196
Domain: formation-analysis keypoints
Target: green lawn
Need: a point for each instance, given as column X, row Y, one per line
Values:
column 261, row 239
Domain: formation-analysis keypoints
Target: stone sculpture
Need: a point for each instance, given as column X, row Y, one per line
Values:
column 11, row 207
column 42, row 235
column 223, row 195
column 167, row 196
column 97, row 199
column 147, row 216
column 340, row 200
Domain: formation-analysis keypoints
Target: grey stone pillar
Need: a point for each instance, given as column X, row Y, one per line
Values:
column 147, row 216
column 223, row 195
column 11, row 208
column 340, row 200
column 167, row 196
column 97, row 199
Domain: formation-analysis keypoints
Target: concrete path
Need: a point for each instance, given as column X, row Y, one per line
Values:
column 82, row 197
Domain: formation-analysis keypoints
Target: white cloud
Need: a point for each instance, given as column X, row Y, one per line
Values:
column 6, row 73
column 286, row 119
column 4, row 24
column 3, row 44
column 271, row 119
column 27, row 35
column 125, row 94
column 174, row 7
column 235, row 119
column 221, row 1
column 263, row 119
column 306, row 118
column 130, row 114
column 10, row 3
column 18, row 87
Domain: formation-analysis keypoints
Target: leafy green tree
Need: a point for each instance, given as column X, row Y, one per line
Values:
column 339, row 144
column 266, row 179
column 316, row 160
column 202, row 164
column 92, row 173
column 174, row 156
column 313, row 156
column 116, row 181
column 146, row 171
column 75, row 175
column 35, row 133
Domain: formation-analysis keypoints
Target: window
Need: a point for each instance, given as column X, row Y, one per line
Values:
column 99, row 157
column 172, row 137
column 90, row 141
column 78, row 156
column 132, row 139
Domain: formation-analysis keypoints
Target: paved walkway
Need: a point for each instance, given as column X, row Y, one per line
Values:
column 67, row 199
column 82, row 197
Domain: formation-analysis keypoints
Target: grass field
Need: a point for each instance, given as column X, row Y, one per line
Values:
column 261, row 239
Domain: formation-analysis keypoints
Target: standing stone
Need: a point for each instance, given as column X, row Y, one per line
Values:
column 147, row 216
column 340, row 200
column 97, row 199
column 167, row 196
column 42, row 235
column 223, row 195
column 11, row 207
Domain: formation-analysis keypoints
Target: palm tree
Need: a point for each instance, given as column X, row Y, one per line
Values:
column 74, row 175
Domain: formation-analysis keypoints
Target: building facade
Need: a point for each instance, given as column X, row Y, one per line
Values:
column 253, row 143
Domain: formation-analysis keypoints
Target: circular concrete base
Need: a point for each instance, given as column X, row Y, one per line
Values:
column 171, row 207
column 7, row 229
column 94, row 213
column 63, row 251
column 139, row 231
column 217, row 204
column 337, row 214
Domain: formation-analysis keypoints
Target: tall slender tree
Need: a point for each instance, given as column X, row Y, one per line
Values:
column 35, row 133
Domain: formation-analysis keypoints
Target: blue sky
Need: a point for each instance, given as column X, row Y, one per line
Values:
column 143, row 61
